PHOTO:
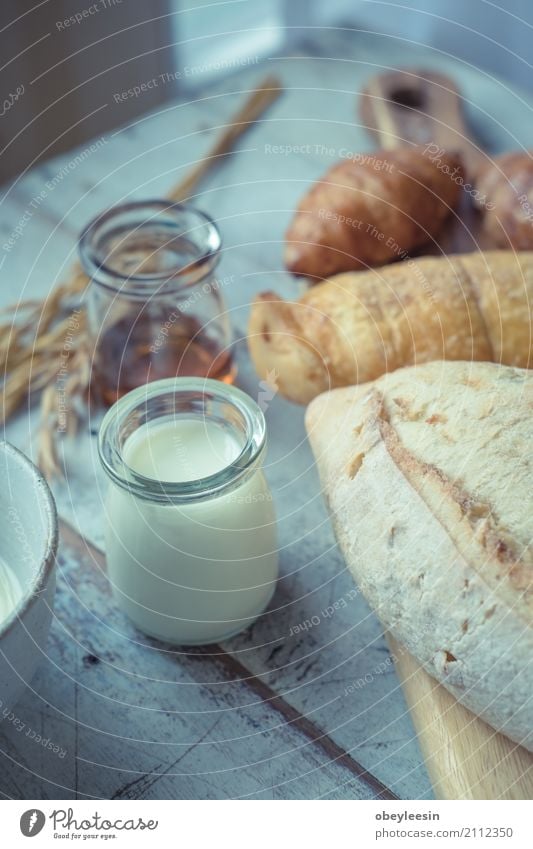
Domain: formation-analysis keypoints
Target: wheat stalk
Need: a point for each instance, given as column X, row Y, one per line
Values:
column 32, row 337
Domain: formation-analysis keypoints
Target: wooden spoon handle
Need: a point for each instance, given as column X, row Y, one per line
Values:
column 247, row 115
column 419, row 107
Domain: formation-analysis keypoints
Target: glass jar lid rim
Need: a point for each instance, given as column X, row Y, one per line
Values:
column 98, row 269
column 152, row 489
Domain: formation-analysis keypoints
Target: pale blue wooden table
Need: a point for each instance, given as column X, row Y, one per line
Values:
column 274, row 712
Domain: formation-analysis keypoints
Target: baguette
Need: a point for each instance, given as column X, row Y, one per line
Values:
column 357, row 326
column 427, row 475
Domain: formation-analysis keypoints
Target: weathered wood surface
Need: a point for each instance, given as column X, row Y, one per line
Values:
column 282, row 710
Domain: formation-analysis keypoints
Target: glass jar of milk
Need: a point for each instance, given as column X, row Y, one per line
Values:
column 191, row 536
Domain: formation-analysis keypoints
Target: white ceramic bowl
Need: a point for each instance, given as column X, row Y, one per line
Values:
column 28, row 544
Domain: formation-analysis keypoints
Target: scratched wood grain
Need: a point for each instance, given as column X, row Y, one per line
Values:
column 133, row 718
column 305, row 704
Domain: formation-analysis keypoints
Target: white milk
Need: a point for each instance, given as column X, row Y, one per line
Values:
column 10, row 591
column 199, row 571
column 180, row 450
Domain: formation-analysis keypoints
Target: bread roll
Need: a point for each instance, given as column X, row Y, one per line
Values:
column 427, row 473
column 357, row 326
column 371, row 209
column 505, row 196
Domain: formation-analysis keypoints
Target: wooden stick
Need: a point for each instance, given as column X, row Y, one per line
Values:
column 248, row 114
column 27, row 360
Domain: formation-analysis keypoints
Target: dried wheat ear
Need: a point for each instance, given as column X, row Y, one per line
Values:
column 44, row 344
column 44, row 348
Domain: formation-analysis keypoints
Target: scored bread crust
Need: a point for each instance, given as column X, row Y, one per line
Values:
column 427, row 476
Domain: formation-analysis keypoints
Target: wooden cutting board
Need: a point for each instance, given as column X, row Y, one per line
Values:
column 465, row 758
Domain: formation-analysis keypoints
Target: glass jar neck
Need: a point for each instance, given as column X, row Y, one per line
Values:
column 149, row 248
column 183, row 398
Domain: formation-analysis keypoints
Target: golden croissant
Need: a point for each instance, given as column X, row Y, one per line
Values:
column 359, row 325
column 370, row 210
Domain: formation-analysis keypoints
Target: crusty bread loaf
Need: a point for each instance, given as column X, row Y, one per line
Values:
column 357, row 326
column 428, row 476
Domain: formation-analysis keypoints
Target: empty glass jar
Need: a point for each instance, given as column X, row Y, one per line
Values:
column 154, row 307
